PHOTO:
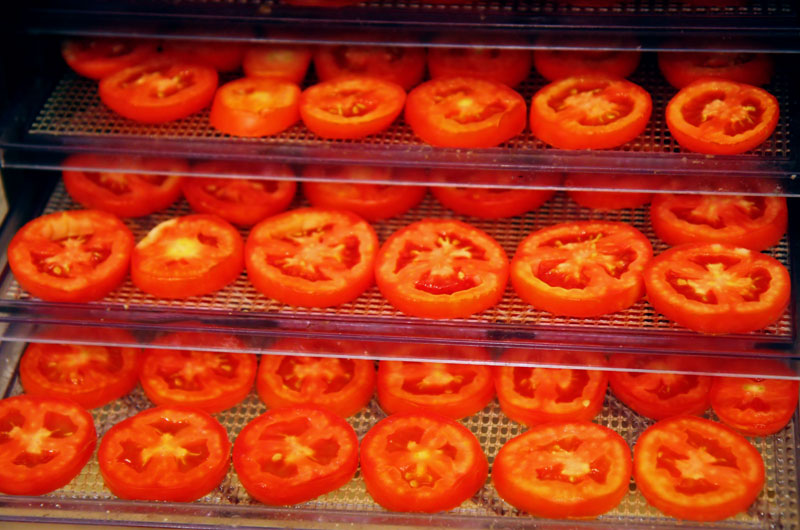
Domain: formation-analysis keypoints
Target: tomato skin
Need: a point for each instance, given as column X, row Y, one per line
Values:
column 521, row 469
column 255, row 107
column 729, row 308
column 582, row 268
column 403, row 66
column 71, row 256
column 270, row 455
column 501, row 65
column 683, row 68
column 610, row 200
column 222, row 56
column 98, row 58
column 554, row 64
column 731, row 487
column 385, row 473
column 46, row 443
column 491, row 203
column 277, row 61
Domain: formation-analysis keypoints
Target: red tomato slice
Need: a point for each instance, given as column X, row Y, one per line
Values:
column 589, row 112
column 692, row 468
column 441, row 268
column 222, row 56
column 98, row 58
column 652, row 386
column 44, row 443
column 421, row 462
column 555, row 63
column 241, row 201
column 187, row 256
column 581, row 269
column 159, row 90
column 255, row 107
column 717, row 288
column 610, row 200
column 118, row 188
column 564, row 470
column 277, row 61
column 174, row 454
column 373, row 202
column 534, row 394
column 509, row 66
column 400, row 65
column 312, row 257
column 292, row 455
column 683, row 68
column 73, row 256
column 89, row 375
column 720, row 117
column 754, row 222
column 465, row 112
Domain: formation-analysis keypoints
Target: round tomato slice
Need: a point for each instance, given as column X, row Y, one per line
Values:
column 720, row 117
column 342, row 386
column 159, row 90
column 373, row 202
column 683, row 68
column 255, row 107
column 589, row 112
column 241, row 201
column 187, row 256
column 465, row 112
column 624, row 197
column 754, row 222
column 421, row 462
column 756, row 406
column 174, row 454
column 658, row 386
column 277, row 61
column 98, row 58
column 89, row 375
column 116, row 187
column 295, row 454
column 717, row 288
column 400, row 65
column 72, row 256
column 564, row 470
column 555, row 63
column 581, row 269
column 441, row 268
column 44, row 443
column 509, row 66
column 222, row 56
column 535, row 394
column 312, row 257
column 695, row 469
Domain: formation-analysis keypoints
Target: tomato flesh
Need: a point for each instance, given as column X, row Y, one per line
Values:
column 403, row 66
column 276, row 61
column 255, row 107
column 99, row 58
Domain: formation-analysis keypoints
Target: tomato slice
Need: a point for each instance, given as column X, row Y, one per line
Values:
column 159, row 90
column 509, row 66
column 97, row 58
column 535, row 394
column 295, row 454
column 89, row 375
column 421, row 462
column 582, row 268
column 401, row 65
column 683, row 68
column 756, row 406
column 72, row 256
column 373, row 202
column 696, row 469
column 717, row 288
column 566, row 469
column 222, row 56
column 589, row 112
column 720, row 117
column 441, row 268
column 241, row 201
column 754, row 222
column 597, row 57
column 174, row 454
column 288, row 62
column 187, row 256
column 44, row 443
column 312, row 257
column 342, row 386
column 465, row 112
column 117, row 188
column 255, row 107
column 610, row 200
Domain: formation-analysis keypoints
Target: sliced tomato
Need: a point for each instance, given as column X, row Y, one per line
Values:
column 255, row 107
column 582, row 268
column 421, row 462
column 441, row 268
column 187, row 256
column 589, row 112
column 401, row 65
column 295, row 454
column 222, row 56
column 465, row 112
column 624, row 197
column 509, row 66
column 536, row 394
column 72, row 256
column 566, row 469
column 373, row 202
column 159, row 90
column 241, row 201
column 720, row 117
column 754, row 222
column 312, row 257
column 696, row 469
column 616, row 57
column 174, row 454
column 116, row 187
column 97, row 58
column 288, row 62
column 681, row 68
column 717, row 288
